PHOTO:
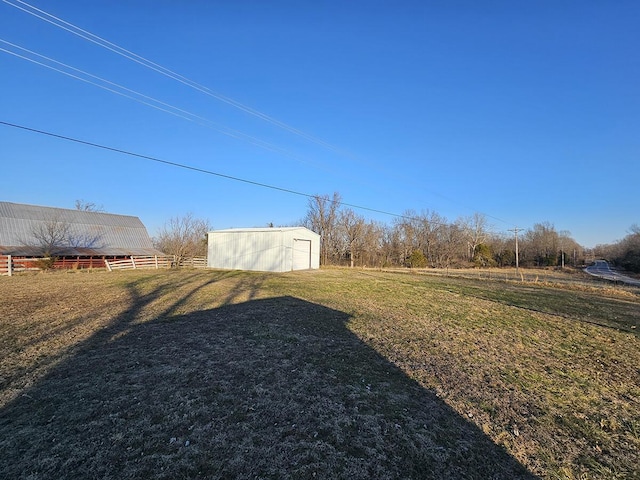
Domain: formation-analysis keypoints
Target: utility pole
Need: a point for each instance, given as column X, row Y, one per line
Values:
column 515, row 231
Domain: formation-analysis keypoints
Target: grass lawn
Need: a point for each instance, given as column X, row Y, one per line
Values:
column 326, row 374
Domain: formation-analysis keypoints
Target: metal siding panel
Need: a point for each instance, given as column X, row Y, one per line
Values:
column 303, row 233
column 117, row 234
column 315, row 250
column 261, row 249
column 246, row 250
column 301, row 254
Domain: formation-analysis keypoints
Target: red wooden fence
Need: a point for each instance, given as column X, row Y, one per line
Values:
column 10, row 264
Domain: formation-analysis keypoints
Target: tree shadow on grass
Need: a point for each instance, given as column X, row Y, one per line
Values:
column 271, row 388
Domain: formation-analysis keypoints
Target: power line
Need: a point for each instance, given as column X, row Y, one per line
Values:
column 117, row 49
column 121, row 51
column 152, row 102
column 515, row 231
column 173, row 110
column 146, row 100
column 195, row 169
column 217, row 174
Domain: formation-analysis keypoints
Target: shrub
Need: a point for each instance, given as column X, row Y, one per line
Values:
column 45, row 263
column 417, row 260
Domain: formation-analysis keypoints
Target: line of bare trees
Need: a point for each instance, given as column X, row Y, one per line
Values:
column 426, row 239
column 416, row 240
column 183, row 237
column 625, row 253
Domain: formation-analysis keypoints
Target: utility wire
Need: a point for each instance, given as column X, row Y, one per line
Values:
column 89, row 81
column 152, row 102
column 173, row 111
column 117, row 49
column 200, row 170
column 86, row 35
column 93, row 38
column 147, row 100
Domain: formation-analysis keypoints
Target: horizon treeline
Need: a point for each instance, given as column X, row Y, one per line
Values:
column 624, row 253
column 427, row 239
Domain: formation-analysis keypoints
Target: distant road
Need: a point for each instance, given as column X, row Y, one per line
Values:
column 601, row 269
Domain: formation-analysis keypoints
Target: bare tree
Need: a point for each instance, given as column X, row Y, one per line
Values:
column 371, row 246
column 51, row 236
column 625, row 252
column 503, row 248
column 475, row 231
column 421, row 233
column 390, row 246
column 85, row 206
column 541, row 245
column 322, row 218
column 450, row 246
column 353, row 227
column 431, row 225
column 54, row 236
column 408, row 235
column 183, row 237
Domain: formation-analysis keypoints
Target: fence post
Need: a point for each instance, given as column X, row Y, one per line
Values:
column 106, row 262
column 133, row 262
column 9, row 265
column 156, row 257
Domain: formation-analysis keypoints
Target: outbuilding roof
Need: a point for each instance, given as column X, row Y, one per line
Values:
column 86, row 233
column 260, row 229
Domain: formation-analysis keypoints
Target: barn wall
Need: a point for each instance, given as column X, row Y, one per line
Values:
column 303, row 234
column 246, row 251
column 260, row 249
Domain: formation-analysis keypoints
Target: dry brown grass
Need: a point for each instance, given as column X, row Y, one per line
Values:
column 329, row 374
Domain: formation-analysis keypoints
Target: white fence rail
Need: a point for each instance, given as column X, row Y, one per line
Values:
column 135, row 262
column 10, row 265
column 155, row 262
column 193, row 262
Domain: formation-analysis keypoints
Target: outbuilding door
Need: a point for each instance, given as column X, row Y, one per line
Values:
column 301, row 254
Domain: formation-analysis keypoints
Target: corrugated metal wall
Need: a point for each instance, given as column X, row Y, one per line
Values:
column 92, row 233
column 270, row 250
column 301, row 254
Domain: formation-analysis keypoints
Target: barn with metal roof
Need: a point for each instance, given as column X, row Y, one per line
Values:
column 29, row 231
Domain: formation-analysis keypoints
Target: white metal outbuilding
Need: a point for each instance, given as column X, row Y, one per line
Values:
column 264, row 249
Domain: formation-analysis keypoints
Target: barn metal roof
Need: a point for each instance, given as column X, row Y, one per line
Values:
column 90, row 233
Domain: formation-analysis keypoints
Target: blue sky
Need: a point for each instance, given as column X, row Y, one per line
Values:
column 527, row 112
